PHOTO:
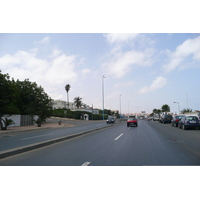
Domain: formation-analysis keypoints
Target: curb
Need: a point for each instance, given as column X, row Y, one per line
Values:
column 19, row 150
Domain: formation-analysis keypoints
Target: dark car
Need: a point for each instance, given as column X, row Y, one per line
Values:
column 176, row 119
column 132, row 121
column 165, row 119
column 110, row 120
column 189, row 122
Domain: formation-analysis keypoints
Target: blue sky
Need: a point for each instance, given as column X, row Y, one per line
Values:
column 148, row 70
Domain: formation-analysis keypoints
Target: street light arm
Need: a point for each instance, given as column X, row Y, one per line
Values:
column 178, row 106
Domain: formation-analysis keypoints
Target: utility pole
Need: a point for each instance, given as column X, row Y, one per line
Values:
column 103, row 95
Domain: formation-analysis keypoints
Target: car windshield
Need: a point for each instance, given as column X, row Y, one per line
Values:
column 191, row 118
column 131, row 119
column 179, row 117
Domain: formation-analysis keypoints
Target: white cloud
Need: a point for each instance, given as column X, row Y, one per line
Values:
column 183, row 51
column 121, row 63
column 51, row 74
column 61, row 69
column 55, row 53
column 124, row 84
column 85, row 71
column 120, row 37
column 43, row 41
column 158, row 83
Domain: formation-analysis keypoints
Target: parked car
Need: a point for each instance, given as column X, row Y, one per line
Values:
column 155, row 118
column 165, row 119
column 132, row 121
column 189, row 122
column 110, row 120
column 150, row 118
column 176, row 119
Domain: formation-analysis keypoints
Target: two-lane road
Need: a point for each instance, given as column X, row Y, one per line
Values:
column 151, row 143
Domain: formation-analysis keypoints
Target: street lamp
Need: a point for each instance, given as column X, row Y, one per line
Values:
column 103, row 94
column 120, row 102
column 178, row 107
column 128, row 108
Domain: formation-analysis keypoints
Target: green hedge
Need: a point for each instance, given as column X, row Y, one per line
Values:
column 76, row 114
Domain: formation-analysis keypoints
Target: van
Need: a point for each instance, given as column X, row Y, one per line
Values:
column 165, row 119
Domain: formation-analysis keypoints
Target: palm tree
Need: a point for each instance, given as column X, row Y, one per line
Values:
column 158, row 112
column 165, row 108
column 155, row 111
column 77, row 102
column 67, row 88
column 186, row 110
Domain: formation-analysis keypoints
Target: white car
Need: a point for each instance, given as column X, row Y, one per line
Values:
column 155, row 118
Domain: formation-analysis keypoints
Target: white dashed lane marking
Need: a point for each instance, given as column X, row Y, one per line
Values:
column 86, row 164
column 119, row 136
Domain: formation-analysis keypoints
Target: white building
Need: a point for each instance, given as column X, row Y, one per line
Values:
column 60, row 104
column 94, row 111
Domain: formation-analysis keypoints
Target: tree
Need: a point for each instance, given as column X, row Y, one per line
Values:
column 158, row 112
column 67, row 88
column 77, row 102
column 22, row 97
column 165, row 108
column 32, row 99
column 7, row 98
column 84, row 105
column 186, row 110
column 155, row 111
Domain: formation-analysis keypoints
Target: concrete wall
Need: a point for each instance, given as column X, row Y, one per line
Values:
column 17, row 119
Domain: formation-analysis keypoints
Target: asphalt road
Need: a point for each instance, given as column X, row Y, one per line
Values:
column 149, row 144
column 23, row 139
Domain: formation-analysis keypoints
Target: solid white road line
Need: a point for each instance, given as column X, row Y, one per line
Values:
column 86, row 164
column 119, row 136
column 37, row 136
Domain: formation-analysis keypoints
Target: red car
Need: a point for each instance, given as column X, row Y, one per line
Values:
column 131, row 122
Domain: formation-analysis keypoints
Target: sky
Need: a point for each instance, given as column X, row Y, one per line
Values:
column 143, row 70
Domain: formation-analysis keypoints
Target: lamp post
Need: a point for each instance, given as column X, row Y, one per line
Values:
column 120, row 103
column 178, row 107
column 103, row 94
column 128, row 108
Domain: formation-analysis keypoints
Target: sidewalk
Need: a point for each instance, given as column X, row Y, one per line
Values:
column 44, row 125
